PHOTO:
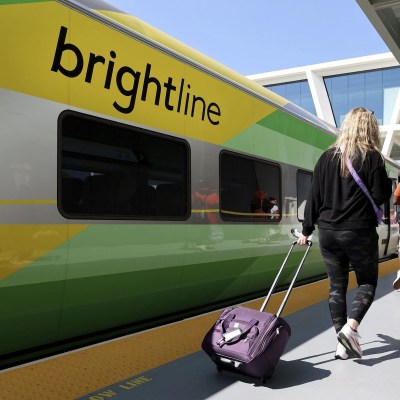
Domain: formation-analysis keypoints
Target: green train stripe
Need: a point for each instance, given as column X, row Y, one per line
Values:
column 290, row 126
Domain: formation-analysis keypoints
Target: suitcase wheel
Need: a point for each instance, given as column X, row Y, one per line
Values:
column 265, row 378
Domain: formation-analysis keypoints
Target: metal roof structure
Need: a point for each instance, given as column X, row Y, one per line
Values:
column 385, row 17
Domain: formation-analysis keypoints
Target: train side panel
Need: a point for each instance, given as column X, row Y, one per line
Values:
column 71, row 81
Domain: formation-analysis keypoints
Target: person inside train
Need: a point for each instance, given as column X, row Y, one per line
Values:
column 392, row 217
column 396, row 202
column 261, row 204
column 275, row 209
column 347, row 222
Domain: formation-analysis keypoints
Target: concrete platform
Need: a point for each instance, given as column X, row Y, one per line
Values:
column 307, row 369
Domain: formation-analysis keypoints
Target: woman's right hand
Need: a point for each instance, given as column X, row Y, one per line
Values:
column 302, row 240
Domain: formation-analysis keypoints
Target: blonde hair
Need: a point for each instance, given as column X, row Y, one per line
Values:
column 358, row 134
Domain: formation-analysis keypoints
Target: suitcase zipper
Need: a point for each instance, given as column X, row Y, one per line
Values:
column 263, row 343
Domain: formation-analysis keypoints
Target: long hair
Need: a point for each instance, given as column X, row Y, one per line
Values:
column 358, row 134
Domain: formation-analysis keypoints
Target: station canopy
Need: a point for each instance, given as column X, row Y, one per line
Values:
column 385, row 17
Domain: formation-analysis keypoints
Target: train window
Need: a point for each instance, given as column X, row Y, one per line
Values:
column 115, row 171
column 250, row 189
column 303, row 187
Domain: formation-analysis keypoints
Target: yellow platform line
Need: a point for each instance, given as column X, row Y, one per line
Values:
column 78, row 373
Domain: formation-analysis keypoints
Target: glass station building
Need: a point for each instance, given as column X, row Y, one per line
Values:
column 330, row 90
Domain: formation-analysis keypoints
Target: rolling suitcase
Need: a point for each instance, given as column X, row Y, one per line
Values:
column 248, row 341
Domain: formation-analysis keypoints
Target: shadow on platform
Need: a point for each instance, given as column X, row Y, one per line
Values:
column 389, row 351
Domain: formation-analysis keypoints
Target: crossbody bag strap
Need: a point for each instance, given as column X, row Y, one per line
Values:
column 361, row 184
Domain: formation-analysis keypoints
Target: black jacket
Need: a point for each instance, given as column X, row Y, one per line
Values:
column 339, row 203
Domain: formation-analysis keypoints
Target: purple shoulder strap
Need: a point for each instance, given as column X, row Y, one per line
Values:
column 378, row 210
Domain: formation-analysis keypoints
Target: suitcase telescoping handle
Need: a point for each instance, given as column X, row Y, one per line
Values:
column 296, row 233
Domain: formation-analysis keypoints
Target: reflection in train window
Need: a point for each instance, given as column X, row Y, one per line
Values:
column 303, row 187
column 250, row 189
column 109, row 170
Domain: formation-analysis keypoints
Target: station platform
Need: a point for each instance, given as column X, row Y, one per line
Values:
column 167, row 363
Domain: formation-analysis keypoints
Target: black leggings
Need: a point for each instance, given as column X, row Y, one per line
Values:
column 340, row 249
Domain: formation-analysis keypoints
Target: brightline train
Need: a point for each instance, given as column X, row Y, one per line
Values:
column 130, row 164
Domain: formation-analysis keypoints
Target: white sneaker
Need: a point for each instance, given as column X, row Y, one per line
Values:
column 349, row 339
column 396, row 283
column 341, row 352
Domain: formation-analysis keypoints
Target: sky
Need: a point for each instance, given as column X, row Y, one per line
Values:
column 257, row 36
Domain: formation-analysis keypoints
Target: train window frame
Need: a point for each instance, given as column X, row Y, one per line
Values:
column 298, row 173
column 248, row 217
column 129, row 165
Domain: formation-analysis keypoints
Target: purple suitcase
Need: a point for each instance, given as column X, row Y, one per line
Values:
column 248, row 341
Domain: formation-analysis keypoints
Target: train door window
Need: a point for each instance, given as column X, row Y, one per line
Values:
column 250, row 189
column 114, row 171
column 304, row 179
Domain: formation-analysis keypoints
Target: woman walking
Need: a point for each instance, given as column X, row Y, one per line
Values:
column 347, row 221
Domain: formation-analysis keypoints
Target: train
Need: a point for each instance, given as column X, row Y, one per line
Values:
column 134, row 175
